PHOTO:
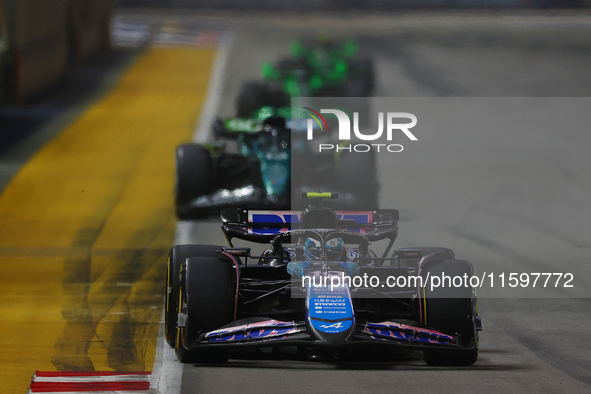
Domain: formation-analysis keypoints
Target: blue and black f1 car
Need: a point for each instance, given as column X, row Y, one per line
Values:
column 223, row 298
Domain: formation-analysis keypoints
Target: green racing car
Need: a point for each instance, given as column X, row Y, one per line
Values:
column 250, row 164
column 319, row 68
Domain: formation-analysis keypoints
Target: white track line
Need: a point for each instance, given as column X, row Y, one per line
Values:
column 215, row 89
column 168, row 372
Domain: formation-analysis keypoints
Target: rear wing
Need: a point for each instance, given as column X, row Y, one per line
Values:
column 263, row 226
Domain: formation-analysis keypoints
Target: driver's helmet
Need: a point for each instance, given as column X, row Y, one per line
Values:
column 335, row 249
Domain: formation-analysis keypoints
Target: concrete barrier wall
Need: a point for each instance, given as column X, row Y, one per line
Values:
column 91, row 26
column 45, row 37
column 38, row 42
column 3, row 46
column 328, row 5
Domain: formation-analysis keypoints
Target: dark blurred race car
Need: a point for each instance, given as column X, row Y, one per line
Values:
column 316, row 68
column 223, row 298
column 257, row 171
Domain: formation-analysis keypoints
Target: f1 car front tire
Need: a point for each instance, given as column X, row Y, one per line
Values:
column 451, row 310
column 206, row 301
column 177, row 255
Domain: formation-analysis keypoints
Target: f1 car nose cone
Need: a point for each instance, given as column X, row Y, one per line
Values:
column 329, row 312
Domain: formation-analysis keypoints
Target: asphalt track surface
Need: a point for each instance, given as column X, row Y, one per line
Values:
column 511, row 204
column 531, row 208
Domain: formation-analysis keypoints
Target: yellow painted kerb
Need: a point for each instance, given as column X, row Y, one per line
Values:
column 85, row 226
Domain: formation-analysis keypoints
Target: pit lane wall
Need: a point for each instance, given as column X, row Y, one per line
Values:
column 40, row 40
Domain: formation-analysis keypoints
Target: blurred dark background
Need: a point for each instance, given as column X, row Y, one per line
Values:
column 56, row 53
column 336, row 5
column 40, row 41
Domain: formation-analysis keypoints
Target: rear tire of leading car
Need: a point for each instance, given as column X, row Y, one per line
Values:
column 362, row 69
column 436, row 253
column 358, row 175
column 194, row 176
column 451, row 310
column 207, row 302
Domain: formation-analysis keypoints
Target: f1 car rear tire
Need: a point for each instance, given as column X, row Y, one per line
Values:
column 207, row 303
column 194, row 175
column 437, row 252
column 451, row 310
column 359, row 176
column 255, row 95
column 177, row 255
column 362, row 69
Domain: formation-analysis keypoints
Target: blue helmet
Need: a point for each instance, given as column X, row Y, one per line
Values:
column 335, row 250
